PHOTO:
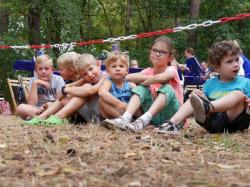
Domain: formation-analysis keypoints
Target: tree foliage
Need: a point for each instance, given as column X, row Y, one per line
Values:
column 64, row 21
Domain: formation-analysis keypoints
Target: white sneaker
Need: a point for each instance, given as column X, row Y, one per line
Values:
column 113, row 124
column 135, row 126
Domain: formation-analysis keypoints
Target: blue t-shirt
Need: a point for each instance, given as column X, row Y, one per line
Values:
column 123, row 94
column 215, row 89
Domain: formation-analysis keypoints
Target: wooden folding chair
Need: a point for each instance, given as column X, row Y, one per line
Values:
column 21, row 82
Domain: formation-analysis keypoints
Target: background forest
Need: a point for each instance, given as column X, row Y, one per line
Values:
column 63, row 21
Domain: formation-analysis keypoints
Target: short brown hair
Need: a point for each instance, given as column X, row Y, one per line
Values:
column 221, row 49
column 114, row 56
column 190, row 50
column 165, row 40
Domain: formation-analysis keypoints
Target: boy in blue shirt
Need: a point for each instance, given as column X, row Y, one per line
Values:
column 224, row 104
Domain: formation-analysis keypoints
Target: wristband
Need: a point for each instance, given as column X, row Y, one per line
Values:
column 63, row 91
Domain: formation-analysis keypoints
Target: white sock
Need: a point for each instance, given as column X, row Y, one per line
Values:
column 146, row 118
column 127, row 117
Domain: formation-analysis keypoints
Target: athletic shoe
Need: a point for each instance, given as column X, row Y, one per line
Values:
column 169, row 128
column 201, row 107
column 113, row 124
column 135, row 126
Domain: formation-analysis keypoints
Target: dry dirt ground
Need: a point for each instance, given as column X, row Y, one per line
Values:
column 89, row 155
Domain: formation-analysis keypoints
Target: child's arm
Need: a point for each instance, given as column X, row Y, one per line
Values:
column 85, row 90
column 107, row 97
column 160, row 78
column 137, row 77
column 79, row 82
column 33, row 96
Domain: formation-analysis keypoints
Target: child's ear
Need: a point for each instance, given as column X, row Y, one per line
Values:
column 72, row 70
column 171, row 57
column 215, row 67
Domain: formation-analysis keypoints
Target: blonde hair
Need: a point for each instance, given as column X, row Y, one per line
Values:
column 85, row 60
column 44, row 59
column 68, row 60
column 114, row 56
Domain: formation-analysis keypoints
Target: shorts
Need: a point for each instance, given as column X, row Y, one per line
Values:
column 90, row 110
column 171, row 105
column 219, row 123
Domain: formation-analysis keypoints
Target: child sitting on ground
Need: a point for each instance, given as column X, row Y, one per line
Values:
column 159, row 93
column 67, row 71
column 115, row 92
column 45, row 87
column 222, row 106
column 85, row 97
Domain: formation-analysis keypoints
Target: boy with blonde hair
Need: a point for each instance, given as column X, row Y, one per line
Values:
column 85, row 97
column 66, row 66
column 115, row 92
column 65, row 63
column 45, row 87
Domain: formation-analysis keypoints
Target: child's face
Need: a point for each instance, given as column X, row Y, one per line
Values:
column 160, row 55
column 229, row 67
column 67, row 73
column 117, row 70
column 204, row 66
column 90, row 74
column 134, row 64
column 44, row 71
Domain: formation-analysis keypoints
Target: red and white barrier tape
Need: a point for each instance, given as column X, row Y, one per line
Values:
column 130, row 37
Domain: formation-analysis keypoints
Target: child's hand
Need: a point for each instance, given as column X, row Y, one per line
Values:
column 198, row 92
column 122, row 107
column 44, row 83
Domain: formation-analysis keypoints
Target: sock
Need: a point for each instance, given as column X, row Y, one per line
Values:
column 146, row 118
column 126, row 117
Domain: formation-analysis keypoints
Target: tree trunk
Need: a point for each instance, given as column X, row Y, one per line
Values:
column 194, row 13
column 4, row 21
column 34, row 25
column 128, row 18
column 106, row 17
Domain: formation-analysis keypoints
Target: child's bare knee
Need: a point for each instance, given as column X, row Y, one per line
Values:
column 21, row 108
column 239, row 94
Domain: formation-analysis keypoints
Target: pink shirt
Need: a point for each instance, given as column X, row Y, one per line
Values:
column 174, row 82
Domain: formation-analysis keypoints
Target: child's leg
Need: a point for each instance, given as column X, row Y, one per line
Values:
column 134, row 104
column 26, row 110
column 71, row 107
column 224, row 114
column 158, row 104
column 52, row 109
column 185, row 111
column 233, row 104
column 108, row 111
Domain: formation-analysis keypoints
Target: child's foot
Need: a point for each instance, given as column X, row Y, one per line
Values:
column 54, row 120
column 113, row 124
column 34, row 121
column 201, row 107
column 136, row 125
column 169, row 128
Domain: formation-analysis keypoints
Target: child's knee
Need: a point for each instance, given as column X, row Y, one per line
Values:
column 239, row 94
column 21, row 108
